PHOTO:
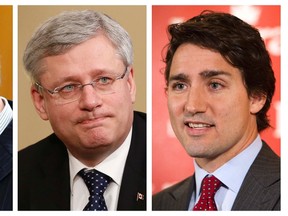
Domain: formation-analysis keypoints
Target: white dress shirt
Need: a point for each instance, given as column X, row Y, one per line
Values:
column 231, row 174
column 6, row 115
column 112, row 166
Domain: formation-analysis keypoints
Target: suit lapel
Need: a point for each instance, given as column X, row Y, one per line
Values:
column 132, row 194
column 181, row 196
column 261, row 187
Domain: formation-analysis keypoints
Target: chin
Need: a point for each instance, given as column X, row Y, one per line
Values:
column 97, row 143
column 196, row 150
column 92, row 149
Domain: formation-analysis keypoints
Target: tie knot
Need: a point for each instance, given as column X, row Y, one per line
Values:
column 210, row 185
column 95, row 181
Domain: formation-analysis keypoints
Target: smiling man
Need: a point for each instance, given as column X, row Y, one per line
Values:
column 219, row 88
column 80, row 64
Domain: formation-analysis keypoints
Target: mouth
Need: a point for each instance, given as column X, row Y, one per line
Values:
column 199, row 125
column 89, row 121
column 198, row 129
column 92, row 119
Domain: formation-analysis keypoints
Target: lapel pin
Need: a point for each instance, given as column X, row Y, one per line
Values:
column 140, row 196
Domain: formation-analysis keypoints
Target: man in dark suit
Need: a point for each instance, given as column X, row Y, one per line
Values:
column 6, row 116
column 80, row 63
column 220, row 84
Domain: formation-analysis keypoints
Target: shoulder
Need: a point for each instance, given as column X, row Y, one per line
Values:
column 35, row 154
column 265, row 170
column 139, row 128
column 42, row 145
column 137, row 151
column 267, row 165
column 260, row 189
column 267, row 159
column 175, row 197
column 174, row 189
column 139, row 117
column 266, row 150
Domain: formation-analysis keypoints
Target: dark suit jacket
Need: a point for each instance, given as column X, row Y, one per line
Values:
column 44, row 180
column 6, row 167
column 260, row 189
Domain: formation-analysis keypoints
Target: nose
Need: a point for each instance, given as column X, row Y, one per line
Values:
column 196, row 101
column 90, row 98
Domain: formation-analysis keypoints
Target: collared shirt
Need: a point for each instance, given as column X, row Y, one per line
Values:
column 112, row 166
column 231, row 174
column 6, row 115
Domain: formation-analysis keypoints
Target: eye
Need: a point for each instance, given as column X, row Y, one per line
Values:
column 178, row 86
column 104, row 80
column 68, row 88
column 215, row 85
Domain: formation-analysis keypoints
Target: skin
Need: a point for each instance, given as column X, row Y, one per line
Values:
column 210, row 111
column 95, row 125
column 1, row 105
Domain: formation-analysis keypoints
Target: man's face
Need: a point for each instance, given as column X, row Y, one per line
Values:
column 210, row 111
column 95, row 124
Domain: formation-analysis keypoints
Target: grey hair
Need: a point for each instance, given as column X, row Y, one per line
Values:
column 60, row 33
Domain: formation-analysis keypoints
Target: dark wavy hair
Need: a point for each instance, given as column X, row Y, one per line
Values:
column 240, row 45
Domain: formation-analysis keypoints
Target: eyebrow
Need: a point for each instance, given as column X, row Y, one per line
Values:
column 212, row 73
column 204, row 74
column 179, row 77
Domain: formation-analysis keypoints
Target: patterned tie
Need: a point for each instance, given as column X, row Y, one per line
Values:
column 209, row 187
column 96, row 183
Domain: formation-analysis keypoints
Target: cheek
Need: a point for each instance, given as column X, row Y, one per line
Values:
column 125, row 95
column 171, row 109
column 124, row 99
column 176, row 111
column 232, row 113
column 175, row 106
column 59, row 114
column 120, row 104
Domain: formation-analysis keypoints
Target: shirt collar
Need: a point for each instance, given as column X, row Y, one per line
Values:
column 113, row 165
column 237, row 168
column 6, row 115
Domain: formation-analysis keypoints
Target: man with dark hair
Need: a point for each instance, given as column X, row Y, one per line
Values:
column 219, row 85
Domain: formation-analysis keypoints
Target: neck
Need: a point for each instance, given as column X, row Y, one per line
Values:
column 1, row 105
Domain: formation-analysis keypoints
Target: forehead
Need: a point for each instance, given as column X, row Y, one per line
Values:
column 195, row 60
column 96, row 54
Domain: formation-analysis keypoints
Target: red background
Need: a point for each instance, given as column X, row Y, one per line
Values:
column 169, row 160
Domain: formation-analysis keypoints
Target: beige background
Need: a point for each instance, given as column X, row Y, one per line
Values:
column 132, row 18
column 6, row 51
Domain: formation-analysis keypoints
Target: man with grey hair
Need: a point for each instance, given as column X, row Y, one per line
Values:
column 80, row 64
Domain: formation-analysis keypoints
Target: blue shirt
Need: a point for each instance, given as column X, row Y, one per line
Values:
column 231, row 174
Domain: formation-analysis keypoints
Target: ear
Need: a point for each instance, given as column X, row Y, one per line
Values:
column 257, row 102
column 132, row 85
column 166, row 90
column 39, row 102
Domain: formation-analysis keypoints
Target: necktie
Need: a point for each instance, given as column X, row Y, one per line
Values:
column 96, row 183
column 209, row 187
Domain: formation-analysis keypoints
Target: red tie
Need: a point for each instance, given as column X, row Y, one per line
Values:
column 209, row 187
